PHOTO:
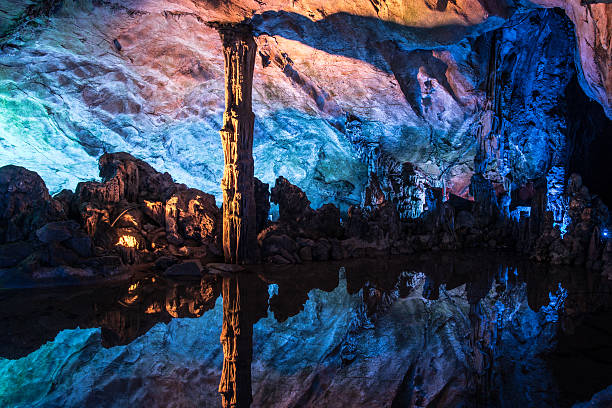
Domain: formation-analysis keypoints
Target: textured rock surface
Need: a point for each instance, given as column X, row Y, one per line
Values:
column 136, row 215
column 239, row 213
column 25, row 204
column 593, row 26
column 147, row 77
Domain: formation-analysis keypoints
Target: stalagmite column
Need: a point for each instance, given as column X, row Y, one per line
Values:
column 239, row 238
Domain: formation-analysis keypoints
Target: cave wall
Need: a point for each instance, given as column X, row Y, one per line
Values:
column 341, row 89
column 589, row 141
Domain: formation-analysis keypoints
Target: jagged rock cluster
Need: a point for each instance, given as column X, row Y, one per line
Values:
column 135, row 215
column 139, row 218
column 304, row 234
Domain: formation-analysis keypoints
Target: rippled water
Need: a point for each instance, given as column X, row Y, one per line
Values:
column 443, row 330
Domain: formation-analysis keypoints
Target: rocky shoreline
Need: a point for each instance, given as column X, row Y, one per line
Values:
column 139, row 219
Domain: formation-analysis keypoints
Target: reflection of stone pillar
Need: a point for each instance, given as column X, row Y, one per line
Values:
column 239, row 239
column 245, row 300
column 237, row 341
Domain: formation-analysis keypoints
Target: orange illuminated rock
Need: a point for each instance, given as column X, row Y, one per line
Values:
column 239, row 215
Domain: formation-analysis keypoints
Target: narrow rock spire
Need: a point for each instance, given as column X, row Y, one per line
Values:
column 239, row 237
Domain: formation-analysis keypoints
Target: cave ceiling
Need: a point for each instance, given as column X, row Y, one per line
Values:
column 336, row 83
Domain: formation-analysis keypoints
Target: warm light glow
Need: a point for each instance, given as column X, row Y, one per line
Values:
column 130, row 218
column 129, row 300
column 127, row 241
column 153, row 308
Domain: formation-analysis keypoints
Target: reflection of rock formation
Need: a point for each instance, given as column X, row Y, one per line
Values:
column 245, row 300
column 482, row 336
column 421, row 338
column 123, row 312
column 151, row 300
column 239, row 228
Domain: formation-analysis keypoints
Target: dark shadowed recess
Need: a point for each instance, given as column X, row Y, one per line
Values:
column 587, row 351
column 589, row 136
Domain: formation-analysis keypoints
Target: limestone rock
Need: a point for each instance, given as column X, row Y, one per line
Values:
column 25, row 204
column 187, row 268
column 262, row 204
column 191, row 214
column 293, row 204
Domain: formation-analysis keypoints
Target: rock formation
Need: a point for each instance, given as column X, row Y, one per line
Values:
column 86, row 97
column 239, row 222
column 303, row 234
column 135, row 215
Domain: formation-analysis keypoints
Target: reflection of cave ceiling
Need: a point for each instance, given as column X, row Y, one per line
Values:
column 333, row 79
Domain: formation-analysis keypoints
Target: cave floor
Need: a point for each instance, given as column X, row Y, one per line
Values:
column 471, row 329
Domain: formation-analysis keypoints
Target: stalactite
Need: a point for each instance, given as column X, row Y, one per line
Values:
column 239, row 238
column 490, row 122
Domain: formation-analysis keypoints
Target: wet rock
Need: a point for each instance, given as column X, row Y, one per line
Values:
column 57, row 231
column 165, row 262
column 305, row 253
column 187, row 268
column 292, row 202
column 262, row 204
column 25, row 204
column 280, row 259
column 223, row 268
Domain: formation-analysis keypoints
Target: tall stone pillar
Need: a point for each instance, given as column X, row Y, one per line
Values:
column 239, row 224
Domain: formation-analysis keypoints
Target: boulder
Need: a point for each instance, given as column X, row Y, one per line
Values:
column 223, row 268
column 165, row 262
column 25, row 204
column 292, row 201
column 188, row 268
column 278, row 244
column 305, row 254
column 13, row 253
column 191, row 214
column 57, row 231
column 262, row 204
